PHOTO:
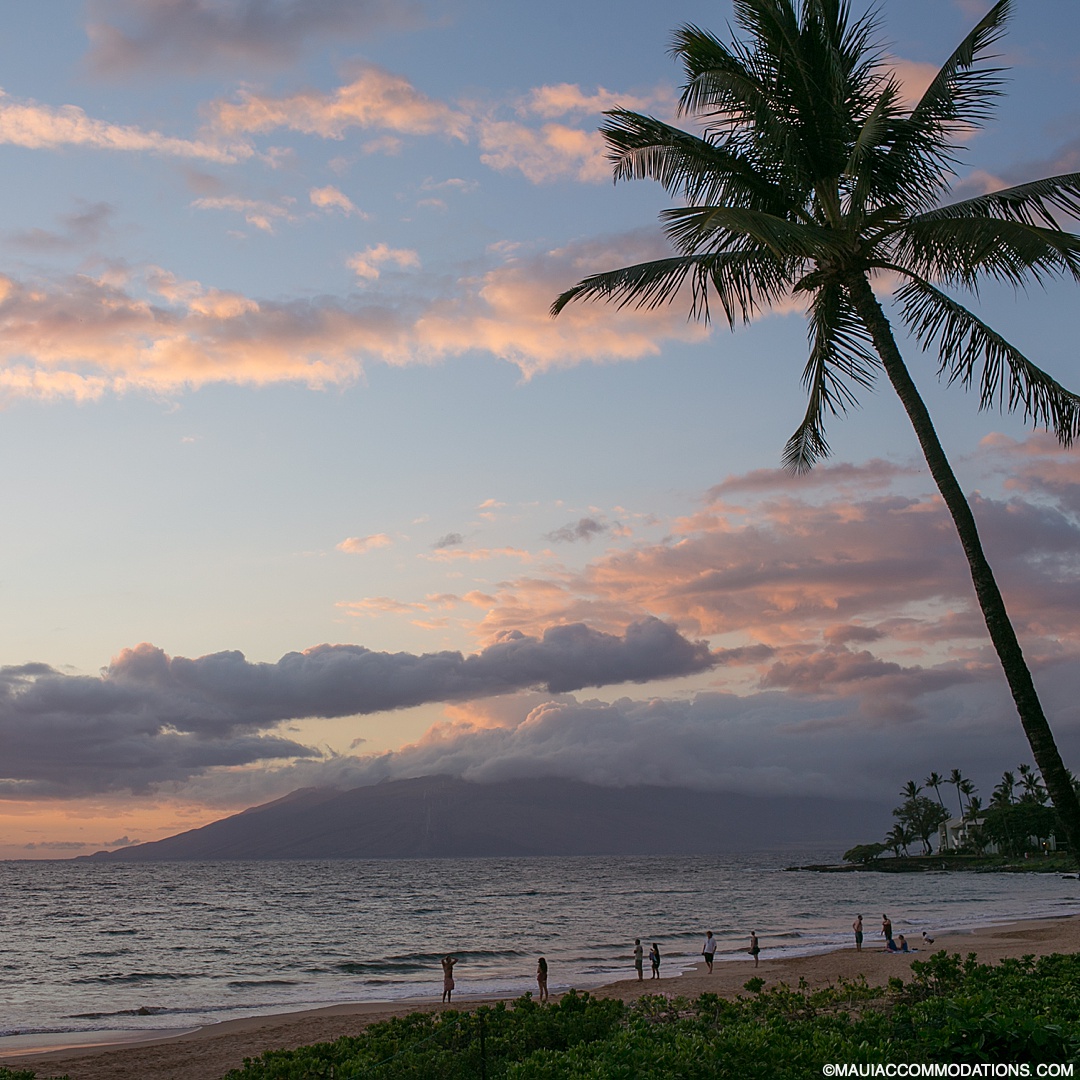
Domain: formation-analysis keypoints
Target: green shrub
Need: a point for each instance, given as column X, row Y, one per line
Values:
column 951, row 1010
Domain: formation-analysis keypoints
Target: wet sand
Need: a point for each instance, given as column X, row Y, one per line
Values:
column 209, row 1052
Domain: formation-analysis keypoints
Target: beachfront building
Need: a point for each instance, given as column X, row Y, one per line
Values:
column 957, row 833
column 962, row 833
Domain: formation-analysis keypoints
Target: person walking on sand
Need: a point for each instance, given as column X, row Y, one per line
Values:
column 654, row 959
column 755, row 948
column 448, row 963
column 886, row 929
column 541, row 979
column 708, row 950
column 857, row 927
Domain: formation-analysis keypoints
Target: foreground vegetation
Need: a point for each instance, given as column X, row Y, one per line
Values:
column 951, row 1010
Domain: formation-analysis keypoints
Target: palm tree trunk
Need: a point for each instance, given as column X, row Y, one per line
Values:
column 1002, row 634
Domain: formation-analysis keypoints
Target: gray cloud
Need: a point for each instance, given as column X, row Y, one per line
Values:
column 151, row 718
column 583, row 529
column 200, row 35
column 449, row 540
column 87, row 225
column 764, row 743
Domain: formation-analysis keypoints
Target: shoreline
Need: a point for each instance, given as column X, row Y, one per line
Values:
column 208, row 1052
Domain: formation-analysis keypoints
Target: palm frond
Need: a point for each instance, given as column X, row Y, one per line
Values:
column 960, row 96
column 744, row 282
column 701, row 170
column 743, row 100
column 1007, row 379
column 841, row 354
column 961, row 250
column 1032, row 203
column 716, row 228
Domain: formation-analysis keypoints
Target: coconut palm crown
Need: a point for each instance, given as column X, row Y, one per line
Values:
column 810, row 176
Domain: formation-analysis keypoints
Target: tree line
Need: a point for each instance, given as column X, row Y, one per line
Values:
column 1018, row 820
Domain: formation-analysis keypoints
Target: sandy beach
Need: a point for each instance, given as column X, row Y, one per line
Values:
column 209, row 1052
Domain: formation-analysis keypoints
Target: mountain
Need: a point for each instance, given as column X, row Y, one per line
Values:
column 436, row 816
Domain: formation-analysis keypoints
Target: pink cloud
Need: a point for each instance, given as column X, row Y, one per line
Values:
column 506, row 310
column 367, row 264
column 563, row 98
column 361, row 545
column 552, row 153
column 374, row 99
column 330, row 198
column 44, row 127
column 851, row 566
column 146, row 329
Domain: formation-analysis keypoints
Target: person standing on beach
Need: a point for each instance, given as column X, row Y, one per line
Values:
column 708, row 950
column 654, row 959
column 448, row 963
column 755, row 948
column 886, row 929
column 541, row 979
column 639, row 953
column 857, row 927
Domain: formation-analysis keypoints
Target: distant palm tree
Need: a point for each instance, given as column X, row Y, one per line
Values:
column 974, row 808
column 966, row 787
column 811, row 179
column 935, row 780
column 899, row 836
column 1002, row 795
column 910, row 790
column 956, row 779
column 1032, row 788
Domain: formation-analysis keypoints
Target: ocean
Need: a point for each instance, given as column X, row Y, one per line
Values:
column 128, row 947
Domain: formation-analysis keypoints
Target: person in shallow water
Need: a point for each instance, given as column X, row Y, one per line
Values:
column 654, row 959
column 448, row 963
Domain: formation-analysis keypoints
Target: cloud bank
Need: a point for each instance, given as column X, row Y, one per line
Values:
column 82, row 337
column 151, row 718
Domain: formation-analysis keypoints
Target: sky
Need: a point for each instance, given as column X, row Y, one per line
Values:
column 303, row 486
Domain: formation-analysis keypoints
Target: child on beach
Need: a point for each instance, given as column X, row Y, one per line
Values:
column 654, row 959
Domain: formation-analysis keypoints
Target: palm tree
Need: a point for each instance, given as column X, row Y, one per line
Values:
column 966, row 787
column 910, row 790
column 811, row 179
column 899, row 836
column 935, row 780
column 1002, row 795
column 957, row 779
column 1033, row 789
